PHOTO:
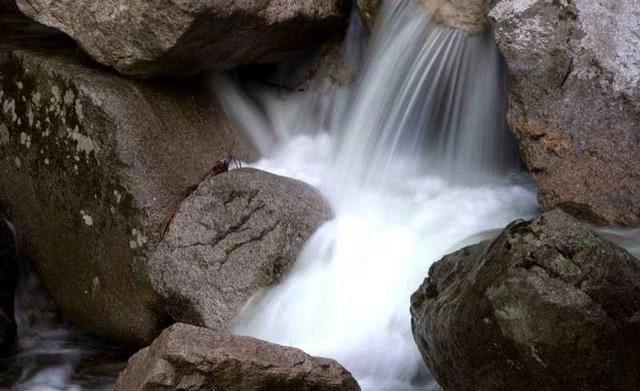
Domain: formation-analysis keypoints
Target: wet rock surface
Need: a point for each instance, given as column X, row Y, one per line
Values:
column 237, row 233
column 184, row 37
column 369, row 11
column 185, row 357
column 93, row 166
column 548, row 305
column 8, row 281
column 574, row 101
column 469, row 16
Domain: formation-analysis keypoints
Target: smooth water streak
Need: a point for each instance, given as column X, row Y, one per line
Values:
column 415, row 159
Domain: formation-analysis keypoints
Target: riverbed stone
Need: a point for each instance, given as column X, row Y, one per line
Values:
column 186, row 357
column 92, row 167
column 574, row 101
column 179, row 37
column 237, row 233
column 548, row 305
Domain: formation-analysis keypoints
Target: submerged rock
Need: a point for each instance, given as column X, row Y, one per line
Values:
column 197, row 359
column 235, row 234
column 575, row 103
column 8, row 281
column 548, row 305
column 93, row 166
column 184, row 37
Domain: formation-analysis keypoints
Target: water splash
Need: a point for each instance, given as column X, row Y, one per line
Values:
column 415, row 160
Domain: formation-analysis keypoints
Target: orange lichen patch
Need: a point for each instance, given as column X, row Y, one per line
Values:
column 556, row 142
column 532, row 129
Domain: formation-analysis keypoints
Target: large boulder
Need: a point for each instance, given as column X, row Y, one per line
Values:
column 575, row 103
column 190, row 358
column 8, row 281
column 548, row 305
column 93, row 167
column 237, row 233
column 181, row 37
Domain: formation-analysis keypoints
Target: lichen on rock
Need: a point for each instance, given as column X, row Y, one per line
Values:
column 92, row 162
column 548, row 305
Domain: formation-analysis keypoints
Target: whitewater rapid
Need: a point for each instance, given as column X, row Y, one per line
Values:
column 416, row 161
column 348, row 295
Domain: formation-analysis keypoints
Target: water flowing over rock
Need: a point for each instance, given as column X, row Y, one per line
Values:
column 548, row 305
column 93, row 166
column 181, row 37
column 369, row 10
column 575, row 103
column 8, row 281
column 466, row 15
column 186, row 357
column 235, row 234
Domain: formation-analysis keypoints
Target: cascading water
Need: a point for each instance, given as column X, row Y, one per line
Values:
column 416, row 162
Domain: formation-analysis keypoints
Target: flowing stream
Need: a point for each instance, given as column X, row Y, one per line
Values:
column 416, row 161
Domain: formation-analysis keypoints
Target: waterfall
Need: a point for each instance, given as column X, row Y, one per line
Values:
column 416, row 160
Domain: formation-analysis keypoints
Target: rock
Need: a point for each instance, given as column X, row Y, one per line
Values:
column 469, row 16
column 185, row 357
column 466, row 15
column 324, row 68
column 369, row 10
column 7, row 6
column 8, row 281
column 93, row 166
column 235, row 234
column 184, row 37
column 548, row 305
column 575, row 103
column 18, row 29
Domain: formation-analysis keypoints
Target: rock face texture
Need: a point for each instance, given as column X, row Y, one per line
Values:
column 196, row 359
column 180, row 37
column 93, row 166
column 8, row 280
column 236, row 233
column 548, row 305
column 466, row 15
column 574, row 101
